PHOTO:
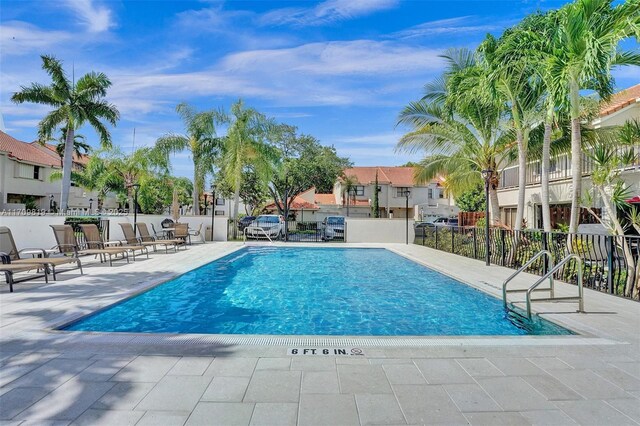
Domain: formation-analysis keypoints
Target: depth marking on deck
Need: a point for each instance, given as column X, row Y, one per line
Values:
column 326, row 351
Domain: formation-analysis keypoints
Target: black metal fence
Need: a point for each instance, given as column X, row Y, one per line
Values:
column 102, row 224
column 610, row 263
column 293, row 232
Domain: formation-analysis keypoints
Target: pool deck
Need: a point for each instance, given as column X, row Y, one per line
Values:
column 53, row 377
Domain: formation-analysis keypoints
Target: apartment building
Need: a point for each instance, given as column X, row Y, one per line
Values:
column 622, row 107
column 424, row 200
column 25, row 172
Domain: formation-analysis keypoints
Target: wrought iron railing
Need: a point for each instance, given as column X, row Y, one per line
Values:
column 293, row 231
column 611, row 263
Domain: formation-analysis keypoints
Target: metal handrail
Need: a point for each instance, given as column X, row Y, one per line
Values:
column 522, row 268
column 259, row 228
column 553, row 270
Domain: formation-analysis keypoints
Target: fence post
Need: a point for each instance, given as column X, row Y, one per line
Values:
column 453, row 240
column 424, row 235
column 436, row 238
column 502, row 249
column 610, row 251
column 475, row 243
column 545, row 246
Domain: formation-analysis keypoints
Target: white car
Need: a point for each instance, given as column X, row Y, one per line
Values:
column 265, row 225
column 333, row 227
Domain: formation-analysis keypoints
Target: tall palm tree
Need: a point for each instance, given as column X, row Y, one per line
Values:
column 245, row 144
column 510, row 82
column 75, row 103
column 80, row 146
column 461, row 130
column 348, row 185
column 200, row 140
column 584, row 51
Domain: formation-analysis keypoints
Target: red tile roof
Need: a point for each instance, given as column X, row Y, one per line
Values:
column 298, row 204
column 397, row 176
column 81, row 159
column 620, row 100
column 325, row 199
column 25, row 151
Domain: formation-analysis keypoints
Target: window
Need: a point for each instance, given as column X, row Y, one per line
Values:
column 36, row 172
column 430, row 193
column 441, row 194
column 358, row 190
column 219, row 202
column 219, row 212
column 400, row 191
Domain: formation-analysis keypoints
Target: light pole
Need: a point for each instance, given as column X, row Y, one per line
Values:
column 421, row 214
column 406, row 214
column 51, row 203
column 90, row 205
column 486, row 174
column 135, row 187
column 213, row 208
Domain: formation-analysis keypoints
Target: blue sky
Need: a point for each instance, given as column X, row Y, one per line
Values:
column 340, row 70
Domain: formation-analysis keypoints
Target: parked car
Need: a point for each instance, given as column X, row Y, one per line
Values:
column 445, row 221
column 333, row 227
column 265, row 225
column 244, row 222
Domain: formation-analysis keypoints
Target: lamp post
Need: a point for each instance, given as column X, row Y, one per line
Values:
column 406, row 214
column 90, row 205
column 135, row 187
column 486, row 174
column 213, row 208
column 421, row 214
column 51, row 203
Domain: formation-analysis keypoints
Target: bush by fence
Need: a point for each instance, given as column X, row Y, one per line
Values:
column 605, row 266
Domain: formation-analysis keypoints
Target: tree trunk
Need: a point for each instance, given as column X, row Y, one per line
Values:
column 67, row 165
column 576, row 159
column 196, row 192
column 236, row 203
column 522, row 178
column 494, row 207
column 544, row 187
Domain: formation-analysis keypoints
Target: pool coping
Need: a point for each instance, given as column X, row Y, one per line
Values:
column 52, row 329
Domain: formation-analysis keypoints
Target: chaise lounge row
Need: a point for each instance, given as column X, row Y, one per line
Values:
column 69, row 250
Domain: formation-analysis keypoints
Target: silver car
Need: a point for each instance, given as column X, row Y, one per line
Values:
column 265, row 225
column 333, row 228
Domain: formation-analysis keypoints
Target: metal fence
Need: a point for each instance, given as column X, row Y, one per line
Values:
column 610, row 263
column 293, row 232
column 102, row 224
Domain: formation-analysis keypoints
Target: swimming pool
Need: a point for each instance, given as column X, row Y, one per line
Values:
column 314, row 291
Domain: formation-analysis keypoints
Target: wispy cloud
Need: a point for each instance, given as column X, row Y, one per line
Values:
column 21, row 38
column 96, row 18
column 453, row 26
column 327, row 12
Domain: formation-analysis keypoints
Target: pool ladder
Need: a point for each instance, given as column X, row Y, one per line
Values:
column 549, row 275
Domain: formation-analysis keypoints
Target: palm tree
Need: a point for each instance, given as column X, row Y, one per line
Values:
column 244, row 144
column 80, row 147
column 75, row 103
column 348, row 185
column 200, row 140
column 584, row 51
column 510, row 82
column 461, row 130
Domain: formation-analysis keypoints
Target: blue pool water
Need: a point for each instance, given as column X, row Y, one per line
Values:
column 313, row 291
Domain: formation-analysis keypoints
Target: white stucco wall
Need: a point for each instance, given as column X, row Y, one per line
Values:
column 360, row 230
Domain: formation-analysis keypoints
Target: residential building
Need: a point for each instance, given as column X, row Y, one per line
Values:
column 424, row 200
column 25, row 172
column 622, row 107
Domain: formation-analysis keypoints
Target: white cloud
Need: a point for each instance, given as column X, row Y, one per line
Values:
column 326, row 12
column 21, row 38
column 337, row 58
column 96, row 18
column 451, row 26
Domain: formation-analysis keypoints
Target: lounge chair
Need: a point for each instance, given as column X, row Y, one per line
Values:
column 94, row 241
column 67, row 244
column 130, row 236
column 196, row 233
column 9, row 269
column 146, row 237
column 182, row 232
column 8, row 245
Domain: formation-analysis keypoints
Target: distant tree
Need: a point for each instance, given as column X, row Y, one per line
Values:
column 80, row 147
column 75, row 103
column 348, row 188
column 472, row 200
column 253, row 190
column 375, row 204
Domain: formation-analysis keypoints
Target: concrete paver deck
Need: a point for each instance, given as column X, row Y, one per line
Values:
column 119, row 379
